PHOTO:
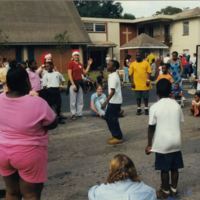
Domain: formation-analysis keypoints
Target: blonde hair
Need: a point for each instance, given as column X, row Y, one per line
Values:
column 122, row 168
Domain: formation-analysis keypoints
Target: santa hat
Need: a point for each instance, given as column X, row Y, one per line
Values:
column 46, row 57
column 75, row 52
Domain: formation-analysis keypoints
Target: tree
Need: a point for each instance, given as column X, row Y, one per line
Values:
column 169, row 10
column 128, row 16
column 62, row 39
column 101, row 9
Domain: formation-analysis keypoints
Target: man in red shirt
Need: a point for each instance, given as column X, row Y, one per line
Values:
column 76, row 72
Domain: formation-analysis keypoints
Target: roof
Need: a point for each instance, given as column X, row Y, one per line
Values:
column 131, row 21
column 102, row 44
column 38, row 22
column 143, row 41
column 94, row 19
column 187, row 14
column 192, row 13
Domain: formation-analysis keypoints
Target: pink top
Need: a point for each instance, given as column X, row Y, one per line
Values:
column 35, row 80
column 22, row 120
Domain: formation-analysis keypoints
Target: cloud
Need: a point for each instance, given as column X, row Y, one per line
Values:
column 148, row 8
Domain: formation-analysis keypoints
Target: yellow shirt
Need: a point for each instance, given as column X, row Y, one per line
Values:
column 166, row 76
column 140, row 72
column 150, row 57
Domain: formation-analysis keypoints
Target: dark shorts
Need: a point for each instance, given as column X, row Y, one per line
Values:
column 142, row 94
column 170, row 161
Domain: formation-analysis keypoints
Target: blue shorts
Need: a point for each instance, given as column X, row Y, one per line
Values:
column 169, row 161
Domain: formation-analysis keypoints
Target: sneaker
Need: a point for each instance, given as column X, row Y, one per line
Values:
column 146, row 111
column 161, row 194
column 113, row 141
column 173, row 191
column 73, row 117
column 139, row 112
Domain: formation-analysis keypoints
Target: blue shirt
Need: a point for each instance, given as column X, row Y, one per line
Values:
column 95, row 98
column 122, row 190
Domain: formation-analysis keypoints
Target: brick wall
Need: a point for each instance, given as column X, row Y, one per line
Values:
column 132, row 29
column 60, row 58
column 8, row 53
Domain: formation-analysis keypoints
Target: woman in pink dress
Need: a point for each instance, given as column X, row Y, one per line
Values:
column 24, row 124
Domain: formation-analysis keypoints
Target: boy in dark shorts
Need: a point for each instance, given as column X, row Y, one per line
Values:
column 164, row 138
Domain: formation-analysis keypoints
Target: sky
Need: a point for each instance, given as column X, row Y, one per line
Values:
column 148, row 8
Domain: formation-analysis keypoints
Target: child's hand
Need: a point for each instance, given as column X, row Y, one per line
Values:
column 90, row 61
column 103, row 106
column 148, row 150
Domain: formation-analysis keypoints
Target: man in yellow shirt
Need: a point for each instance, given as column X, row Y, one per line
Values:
column 139, row 72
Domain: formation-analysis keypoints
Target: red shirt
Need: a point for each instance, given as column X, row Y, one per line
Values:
column 77, row 70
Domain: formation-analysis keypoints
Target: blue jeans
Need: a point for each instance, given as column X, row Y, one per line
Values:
column 112, row 115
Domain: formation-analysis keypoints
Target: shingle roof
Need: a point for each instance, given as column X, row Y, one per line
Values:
column 38, row 22
column 143, row 41
column 192, row 13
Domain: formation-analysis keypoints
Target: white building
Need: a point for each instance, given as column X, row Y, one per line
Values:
column 185, row 31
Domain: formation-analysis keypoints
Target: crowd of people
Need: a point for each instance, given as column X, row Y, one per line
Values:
column 31, row 105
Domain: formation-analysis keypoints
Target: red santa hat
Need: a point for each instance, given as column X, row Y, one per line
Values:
column 46, row 57
column 75, row 52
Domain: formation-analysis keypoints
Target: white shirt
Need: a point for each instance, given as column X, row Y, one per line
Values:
column 52, row 79
column 122, row 190
column 166, row 59
column 166, row 114
column 114, row 83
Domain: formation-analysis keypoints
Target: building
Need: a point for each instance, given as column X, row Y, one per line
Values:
column 107, row 35
column 31, row 28
column 180, row 32
column 185, row 31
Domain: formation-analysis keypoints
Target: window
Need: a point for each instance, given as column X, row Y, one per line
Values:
column 100, row 28
column 95, row 27
column 186, row 28
column 89, row 27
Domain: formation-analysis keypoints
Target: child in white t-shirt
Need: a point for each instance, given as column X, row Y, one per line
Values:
column 113, row 103
column 164, row 138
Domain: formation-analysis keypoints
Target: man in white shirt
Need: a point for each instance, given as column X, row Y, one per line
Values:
column 114, row 101
column 51, row 81
column 164, row 138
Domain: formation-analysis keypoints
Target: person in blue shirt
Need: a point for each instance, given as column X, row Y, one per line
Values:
column 97, row 100
column 122, row 183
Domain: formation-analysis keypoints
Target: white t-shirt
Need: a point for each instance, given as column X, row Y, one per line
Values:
column 114, row 83
column 166, row 59
column 52, row 79
column 166, row 114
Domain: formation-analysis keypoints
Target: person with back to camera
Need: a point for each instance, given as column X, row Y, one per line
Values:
column 164, row 125
column 24, row 124
column 122, row 183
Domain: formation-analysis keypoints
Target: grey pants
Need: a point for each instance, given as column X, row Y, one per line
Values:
column 76, row 101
